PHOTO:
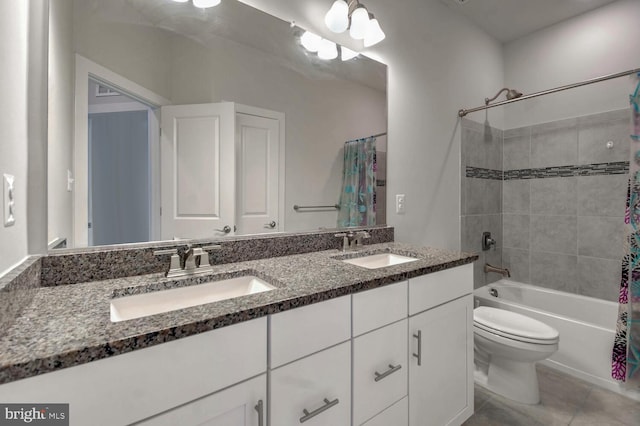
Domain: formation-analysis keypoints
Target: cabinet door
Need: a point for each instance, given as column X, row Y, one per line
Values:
column 379, row 370
column 441, row 364
column 314, row 390
column 241, row 405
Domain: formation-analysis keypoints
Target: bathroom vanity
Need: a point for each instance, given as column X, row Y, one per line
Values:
column 333, row 343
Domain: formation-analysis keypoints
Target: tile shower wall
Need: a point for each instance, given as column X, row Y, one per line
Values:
column 562, row 201
column 481, row 203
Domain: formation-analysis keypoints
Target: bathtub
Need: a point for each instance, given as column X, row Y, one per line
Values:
column 586, row 325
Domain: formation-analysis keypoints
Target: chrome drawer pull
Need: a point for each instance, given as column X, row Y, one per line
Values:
column 419, row 354
column 392, row 369
column 327, row 404
column 260, row 409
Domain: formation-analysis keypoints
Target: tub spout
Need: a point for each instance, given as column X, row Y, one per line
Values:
column 490, row 268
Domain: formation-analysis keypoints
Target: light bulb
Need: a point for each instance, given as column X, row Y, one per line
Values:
column 374, row 33
column 346, row 53
column 359, row 23
column 310, row 41
column 337, row 18
column 205, row 3
column 327, row 50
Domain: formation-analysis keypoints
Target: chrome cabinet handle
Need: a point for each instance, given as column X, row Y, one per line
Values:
column 392, row 369
column 327, row 404
column 419, row 354
column 226, row 229
column 260, row 409
column 271, row 224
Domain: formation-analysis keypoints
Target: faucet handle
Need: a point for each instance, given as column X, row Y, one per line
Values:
column 341, row 235
column 175, row 259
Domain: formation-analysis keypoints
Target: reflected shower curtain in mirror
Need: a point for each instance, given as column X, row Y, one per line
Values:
column 358, row 196
column 626, row 349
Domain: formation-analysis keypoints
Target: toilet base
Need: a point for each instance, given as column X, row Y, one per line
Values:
column 514, row 380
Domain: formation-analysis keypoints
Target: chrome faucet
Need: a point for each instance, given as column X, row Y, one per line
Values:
column 490, row 268
column 193, row 261
column 352, row 240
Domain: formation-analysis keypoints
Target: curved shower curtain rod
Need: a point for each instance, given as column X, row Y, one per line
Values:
column 463, row 112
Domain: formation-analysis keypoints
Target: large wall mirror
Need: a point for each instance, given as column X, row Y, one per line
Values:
column 167, row 121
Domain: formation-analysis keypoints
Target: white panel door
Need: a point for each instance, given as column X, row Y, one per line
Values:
column 257, row 166
column 198, row 170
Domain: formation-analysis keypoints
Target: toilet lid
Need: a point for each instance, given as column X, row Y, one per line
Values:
column 509, row 323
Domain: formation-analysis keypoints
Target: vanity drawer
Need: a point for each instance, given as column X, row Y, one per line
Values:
column 378, row 307
column 303, row 331
column 434, row 289
column 381, row 355
column 145, row 382
column 319, row 384
column 396, row 415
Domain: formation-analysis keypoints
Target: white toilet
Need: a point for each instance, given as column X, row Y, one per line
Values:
column 507, row 346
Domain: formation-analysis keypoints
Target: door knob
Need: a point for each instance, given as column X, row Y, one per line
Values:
column 271, row 224
column 226, row 229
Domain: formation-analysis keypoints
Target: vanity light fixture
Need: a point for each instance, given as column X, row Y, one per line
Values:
column 346, row 53
column 354, row 16
column 326, row 49
column 202, row 4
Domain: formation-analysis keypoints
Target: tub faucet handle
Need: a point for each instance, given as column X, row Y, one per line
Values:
column 487, row 241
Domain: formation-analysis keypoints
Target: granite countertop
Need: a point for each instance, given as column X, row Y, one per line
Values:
column 70, row 325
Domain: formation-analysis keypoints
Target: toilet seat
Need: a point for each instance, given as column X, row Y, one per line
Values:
column 514, row 326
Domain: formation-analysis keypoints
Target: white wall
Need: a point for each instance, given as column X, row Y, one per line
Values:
column 60, row 133
column 438, row 63
column 600, row 42
column 13, row 124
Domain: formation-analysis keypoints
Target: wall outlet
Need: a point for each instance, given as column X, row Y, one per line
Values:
column 9, row 200
column 400, row 204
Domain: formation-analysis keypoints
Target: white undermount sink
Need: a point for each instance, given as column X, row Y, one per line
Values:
column 156, row 302
column 381, row 260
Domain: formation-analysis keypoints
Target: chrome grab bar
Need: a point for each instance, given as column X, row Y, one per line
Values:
column 327, row 404
column 334, row 206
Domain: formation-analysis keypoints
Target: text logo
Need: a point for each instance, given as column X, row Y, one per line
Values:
column 34, row 414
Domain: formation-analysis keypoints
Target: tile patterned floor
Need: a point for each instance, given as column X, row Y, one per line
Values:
column 564, row 400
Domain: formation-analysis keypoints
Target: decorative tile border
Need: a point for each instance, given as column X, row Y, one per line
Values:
column 596, row 169
column 481, row 173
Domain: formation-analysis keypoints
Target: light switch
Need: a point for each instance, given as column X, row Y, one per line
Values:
column 70, row 181
column 400, row 204
column 9, row 200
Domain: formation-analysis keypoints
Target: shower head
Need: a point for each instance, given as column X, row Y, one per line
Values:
column 511, row 94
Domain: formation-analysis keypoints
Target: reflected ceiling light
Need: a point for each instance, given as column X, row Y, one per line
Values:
column 181, row 1
column 346, row 53
column 310, row 41
column 205, row 3
column 355, row 17
column 337, row 18
column 374, row 33
column 327, row 49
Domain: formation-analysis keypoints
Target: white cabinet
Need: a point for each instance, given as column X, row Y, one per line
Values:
column 378, row 307
column 441, row 364
column 146, row 382
column 396, row 415
column 379, row 370
column 241, row 405
column 302, row 331
column 315, row 390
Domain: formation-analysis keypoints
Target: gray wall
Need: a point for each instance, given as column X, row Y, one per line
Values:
column 562, row 202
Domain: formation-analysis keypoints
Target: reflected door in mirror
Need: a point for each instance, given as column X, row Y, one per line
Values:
column 198, row 170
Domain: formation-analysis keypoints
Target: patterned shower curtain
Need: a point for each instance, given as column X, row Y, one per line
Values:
column 626, row 348
column 358, row 196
